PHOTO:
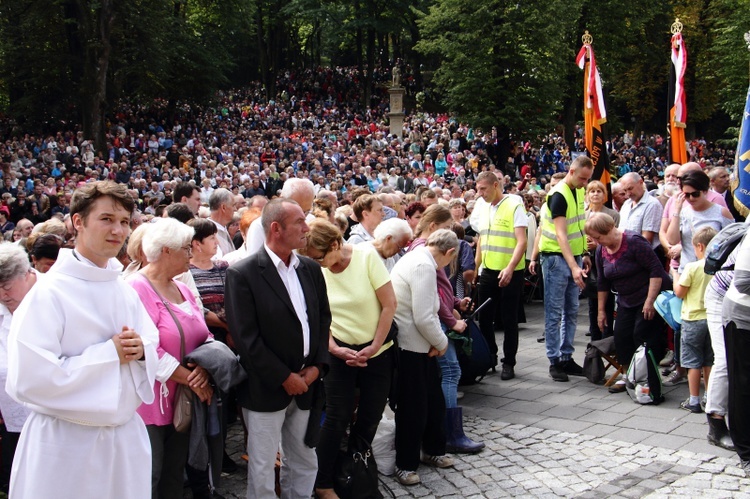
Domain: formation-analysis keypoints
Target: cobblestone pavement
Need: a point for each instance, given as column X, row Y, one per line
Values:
column 547, row 439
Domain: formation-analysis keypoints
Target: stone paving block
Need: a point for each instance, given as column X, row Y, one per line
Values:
column 602, row 404
column 623, row 407
column 725, row 483
column 712, row 467
column 608, row 489
column 691, row 429
column 630, row 435
column 528, row 407
column 491, row 401
column 665, row 411
column 670, row 441
column 555, row 423
column 702, row 446
column 652, row 484
column 653, row 425
column 580, row 487
column 565, row 399
column 566, row 412
column 597, row 430
column 605, row 417
column 527, row 394
column 635, row 491
column 508, row 416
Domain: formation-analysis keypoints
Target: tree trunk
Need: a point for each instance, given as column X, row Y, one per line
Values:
column 262, row 44
column 367, row 82
column 93, row 36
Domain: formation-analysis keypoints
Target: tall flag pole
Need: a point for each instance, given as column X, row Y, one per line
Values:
column 741, row 183
column 594, row 113
column 678, row 113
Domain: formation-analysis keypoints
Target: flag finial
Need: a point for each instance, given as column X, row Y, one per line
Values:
column 676, row 26
column 587, row 38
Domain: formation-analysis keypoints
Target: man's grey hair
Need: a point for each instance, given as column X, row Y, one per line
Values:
column 295, row 186
column 443, row 240
column 14, row 262
column 394, row 227
column 631, row 177
column 714, row 172
column 220, row 197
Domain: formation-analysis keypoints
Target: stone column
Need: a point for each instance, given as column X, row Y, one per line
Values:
column 396, row 115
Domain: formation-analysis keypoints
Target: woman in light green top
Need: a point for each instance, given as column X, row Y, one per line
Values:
column 362, row 305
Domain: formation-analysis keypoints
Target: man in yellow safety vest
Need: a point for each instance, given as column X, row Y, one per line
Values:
column 565, row 264
column 500, row 258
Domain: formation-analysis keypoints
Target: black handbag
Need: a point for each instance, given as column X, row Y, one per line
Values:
column 356, row 474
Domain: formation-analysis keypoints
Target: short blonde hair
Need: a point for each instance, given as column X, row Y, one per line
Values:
column 703, row 236
column 595, row 184
column 322, row 235
column 135, row 249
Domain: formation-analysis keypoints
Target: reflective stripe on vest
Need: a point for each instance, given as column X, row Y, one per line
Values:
column 575, row 219
column 498, row 240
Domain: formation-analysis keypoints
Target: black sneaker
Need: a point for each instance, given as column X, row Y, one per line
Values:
column 227, row 465
column 571, row 368
column 541, row 339
column 557, row 373
column 507, row 372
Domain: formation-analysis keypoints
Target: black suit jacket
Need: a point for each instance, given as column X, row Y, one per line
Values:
column 405, row 184
column 267, row 332
column 729, row 198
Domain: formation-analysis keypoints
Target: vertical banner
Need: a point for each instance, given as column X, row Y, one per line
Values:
column 678, row 113
column 594, row 113
column 741, row 184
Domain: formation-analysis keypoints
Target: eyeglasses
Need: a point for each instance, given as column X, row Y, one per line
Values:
column 320, row 259
column 187, row 249
column 695, row 194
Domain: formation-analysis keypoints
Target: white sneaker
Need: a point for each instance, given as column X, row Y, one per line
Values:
column 437, row 461
column 406, row 477
column 668, row 359
column 459, row 395
column 675, row 379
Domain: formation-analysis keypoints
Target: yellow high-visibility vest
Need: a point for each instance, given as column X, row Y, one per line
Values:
column 498, row 239
column 575, row 219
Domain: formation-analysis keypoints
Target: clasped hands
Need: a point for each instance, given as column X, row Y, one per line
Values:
column 298, row 383
column 129, row 345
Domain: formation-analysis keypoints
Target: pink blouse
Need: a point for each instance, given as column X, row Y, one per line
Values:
column 161, row 411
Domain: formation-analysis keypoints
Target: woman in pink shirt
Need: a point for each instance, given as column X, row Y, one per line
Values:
column 167, row 249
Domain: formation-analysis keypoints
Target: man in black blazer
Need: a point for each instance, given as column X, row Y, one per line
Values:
column 720, row 182
column 278, row 312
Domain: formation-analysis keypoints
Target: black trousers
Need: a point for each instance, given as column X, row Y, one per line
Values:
column 341, row 383
column 609, row 307
column 9, row 444
column 505, row 301
column 420, row 409
column 737, row 342
column 169, row 452
column 632, row 330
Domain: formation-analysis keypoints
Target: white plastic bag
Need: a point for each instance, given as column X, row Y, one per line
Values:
column 384, row 446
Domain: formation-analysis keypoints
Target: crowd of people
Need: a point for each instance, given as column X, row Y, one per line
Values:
column 300, row 243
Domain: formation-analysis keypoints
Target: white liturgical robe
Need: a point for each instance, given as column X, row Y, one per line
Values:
column 83, row 438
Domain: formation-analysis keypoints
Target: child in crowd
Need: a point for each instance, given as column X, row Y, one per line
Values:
column 695, row 342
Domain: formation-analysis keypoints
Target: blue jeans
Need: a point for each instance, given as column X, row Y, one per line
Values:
column 451, row 373
column 560, row 307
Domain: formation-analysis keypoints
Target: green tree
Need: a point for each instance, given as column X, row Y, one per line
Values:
column 503, row 63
